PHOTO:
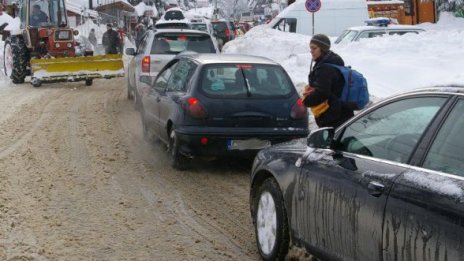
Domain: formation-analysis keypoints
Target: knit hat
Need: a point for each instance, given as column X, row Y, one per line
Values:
column 322, row 41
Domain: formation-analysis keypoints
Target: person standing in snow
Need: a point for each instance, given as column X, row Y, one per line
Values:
column 93, row 38
column 110, row 40
column 139, row 33
column 325, row 85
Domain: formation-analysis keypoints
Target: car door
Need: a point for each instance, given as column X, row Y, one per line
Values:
column 425, row 211
column 169, row 105
column 137, row 65
column 344, row 191
column 150, row 101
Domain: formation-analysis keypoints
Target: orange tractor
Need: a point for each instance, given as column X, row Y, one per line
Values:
column 43, row 46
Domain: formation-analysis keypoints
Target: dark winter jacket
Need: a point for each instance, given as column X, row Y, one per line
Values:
column 111, row 41
column 38, row 18
column 328, row 83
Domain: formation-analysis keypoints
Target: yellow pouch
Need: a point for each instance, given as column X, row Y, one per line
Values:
column 320, row 108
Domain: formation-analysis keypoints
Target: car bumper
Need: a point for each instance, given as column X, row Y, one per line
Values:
column 196, row 142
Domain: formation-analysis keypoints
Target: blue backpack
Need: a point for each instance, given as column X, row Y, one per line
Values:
column 355, row 88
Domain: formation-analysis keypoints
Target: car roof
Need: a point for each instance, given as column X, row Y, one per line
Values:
column 174, row 21
column 389, row 27
column 451, row 88
column 207, row 58
column 178, row 30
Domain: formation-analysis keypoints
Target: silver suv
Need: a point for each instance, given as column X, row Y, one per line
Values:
column 156, row 49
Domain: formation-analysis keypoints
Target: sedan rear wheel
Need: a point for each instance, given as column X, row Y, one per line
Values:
column 271, row 225
column 178, row 161
column 137, row 104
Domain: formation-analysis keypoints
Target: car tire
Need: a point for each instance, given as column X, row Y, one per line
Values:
column 130, row 90
column 88, row 82
column 271, row 223
column 178, row 161
column 137, row 104
column 146, row 134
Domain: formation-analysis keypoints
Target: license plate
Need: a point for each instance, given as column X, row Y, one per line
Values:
column 251, row 144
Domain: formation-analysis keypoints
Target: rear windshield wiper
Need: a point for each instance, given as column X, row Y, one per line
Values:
column 247, row 83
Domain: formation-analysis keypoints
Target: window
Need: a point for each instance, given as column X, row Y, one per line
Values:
column 142, row 45
column 347, row 36
column 372, row 34
column 447, row 151
column 181, row 75
column 161, row 82
column 286, row 25
column 245, row 80
column 174, row 43
column 391, row 132
column 408, row 8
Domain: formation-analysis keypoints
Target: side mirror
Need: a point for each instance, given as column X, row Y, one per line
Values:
column 321, row 138
column 130, row 51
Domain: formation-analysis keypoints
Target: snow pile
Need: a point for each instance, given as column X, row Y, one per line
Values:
column 391, row 64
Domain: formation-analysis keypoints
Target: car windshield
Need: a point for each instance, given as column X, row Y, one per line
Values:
column 173, row 43
column 245, row 80
column 346, row 37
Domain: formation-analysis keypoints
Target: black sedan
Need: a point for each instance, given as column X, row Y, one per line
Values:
column 204, row 105
column 386, row 185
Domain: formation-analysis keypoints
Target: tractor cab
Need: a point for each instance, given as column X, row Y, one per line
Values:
column 46, row 28
column 44, row 13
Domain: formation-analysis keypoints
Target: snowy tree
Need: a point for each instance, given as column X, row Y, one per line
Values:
column 450, row 6
column 232, row 8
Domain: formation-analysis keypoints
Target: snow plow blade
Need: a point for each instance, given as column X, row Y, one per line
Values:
column 77, row 68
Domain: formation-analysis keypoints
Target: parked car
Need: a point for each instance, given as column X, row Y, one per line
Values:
column 376, row 28
column 210, row 105
column 386, row 185
column 156, row 49
column 224, row 32
column 174, row 13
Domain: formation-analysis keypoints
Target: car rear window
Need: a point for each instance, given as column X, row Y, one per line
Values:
column 201, row 27
column 174, row 15
column 172, row 26
column 173, row 43
column 245, row 80
column 219, row 26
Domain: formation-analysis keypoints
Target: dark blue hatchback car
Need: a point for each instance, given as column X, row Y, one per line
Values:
column 220, row 105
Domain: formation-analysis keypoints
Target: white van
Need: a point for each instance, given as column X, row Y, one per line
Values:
column 333, row 17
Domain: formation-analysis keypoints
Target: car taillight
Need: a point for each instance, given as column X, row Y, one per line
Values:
column 195, row 109
column 146, row 64
column 299, row 110
column 227, row 32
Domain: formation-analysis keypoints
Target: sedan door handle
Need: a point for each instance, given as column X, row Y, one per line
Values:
column 375, row 188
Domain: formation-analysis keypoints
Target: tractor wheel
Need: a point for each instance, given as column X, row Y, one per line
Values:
column 16, row 59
